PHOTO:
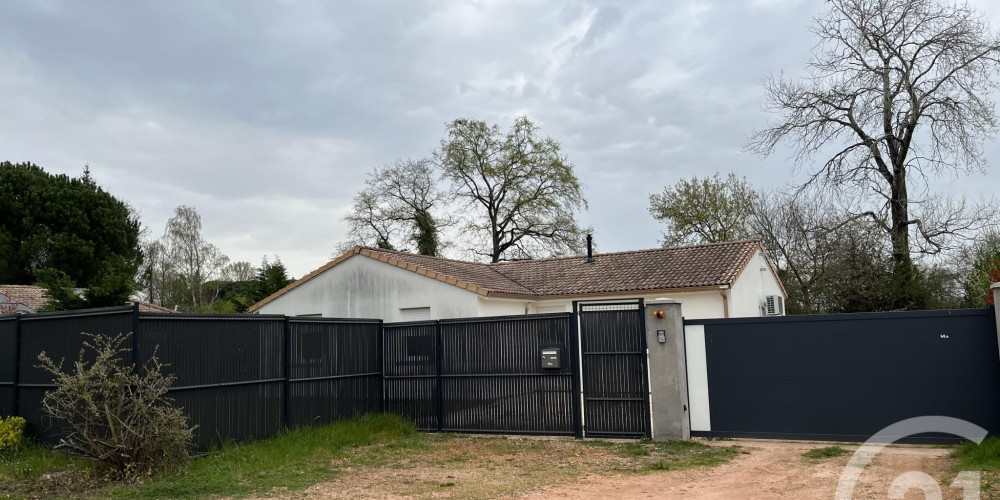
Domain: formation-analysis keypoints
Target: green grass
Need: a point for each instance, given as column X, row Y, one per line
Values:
column 983, row 457
column 291, row 460
column 367, row 446
column 828, row 452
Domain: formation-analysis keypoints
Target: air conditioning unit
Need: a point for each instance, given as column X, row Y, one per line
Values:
column 774, row 305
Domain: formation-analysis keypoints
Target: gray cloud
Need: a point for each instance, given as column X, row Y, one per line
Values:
column 266, row 115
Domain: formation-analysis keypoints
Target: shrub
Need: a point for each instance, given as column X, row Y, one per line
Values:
column 116, row 415
column 11, row 435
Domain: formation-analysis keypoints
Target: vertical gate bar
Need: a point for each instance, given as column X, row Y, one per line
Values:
column 439, row 403
column 286, row 359
column 17, row 365
column 647, row 413
column 576, row 384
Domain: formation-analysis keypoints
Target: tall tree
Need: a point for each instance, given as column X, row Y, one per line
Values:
column 399, row 200
column 709, row 210
column 897, row 89
column 194, row 260
column 520, row 190
column 69, row 225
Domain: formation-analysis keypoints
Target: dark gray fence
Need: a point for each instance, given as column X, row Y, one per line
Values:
column 483, row 374
column 238, row 377
column 845, row 377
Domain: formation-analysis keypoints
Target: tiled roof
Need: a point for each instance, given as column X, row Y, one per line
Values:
column 669, row 268
column 29, row 295
column 35, row 298
column 153, row 308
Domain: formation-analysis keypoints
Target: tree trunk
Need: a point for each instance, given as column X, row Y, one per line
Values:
column 900, row 213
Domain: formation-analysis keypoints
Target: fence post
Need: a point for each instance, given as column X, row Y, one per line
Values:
column 287, row 374
column 381, row 365
column 17, row 365
column 438, row 400
column 574, row 349
column 135, row 336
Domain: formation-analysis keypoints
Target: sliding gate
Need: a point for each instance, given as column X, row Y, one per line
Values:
column 615, row 375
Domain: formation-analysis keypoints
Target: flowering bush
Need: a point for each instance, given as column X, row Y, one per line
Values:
column 11, row 434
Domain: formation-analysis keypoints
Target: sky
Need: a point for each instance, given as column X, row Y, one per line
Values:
column 267, row 115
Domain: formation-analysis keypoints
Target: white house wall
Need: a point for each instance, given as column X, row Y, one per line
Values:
column 695, row 305
column 361, row 287
column 750, row 288
column 503, row 307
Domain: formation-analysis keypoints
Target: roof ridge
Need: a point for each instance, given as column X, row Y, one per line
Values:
column 625, row 252
column 542, row 259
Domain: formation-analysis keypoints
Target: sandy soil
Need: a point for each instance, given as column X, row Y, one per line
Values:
column 768, row 470
column 764, row 470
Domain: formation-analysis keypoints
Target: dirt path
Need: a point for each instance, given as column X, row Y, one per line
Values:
column 767, row 470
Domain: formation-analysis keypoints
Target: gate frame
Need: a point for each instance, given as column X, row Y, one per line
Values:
column 640, row 303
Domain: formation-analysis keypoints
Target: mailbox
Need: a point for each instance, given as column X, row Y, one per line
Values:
column 551, row 357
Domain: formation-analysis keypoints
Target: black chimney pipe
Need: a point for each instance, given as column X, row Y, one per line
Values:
column 590, row 248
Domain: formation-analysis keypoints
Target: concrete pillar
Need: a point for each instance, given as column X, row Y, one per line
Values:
column 667, row 371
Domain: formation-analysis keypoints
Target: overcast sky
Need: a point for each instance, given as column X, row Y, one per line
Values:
column 266, row 115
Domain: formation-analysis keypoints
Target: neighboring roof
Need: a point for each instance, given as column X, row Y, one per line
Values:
column 717, row 264
column 148, row 307
column 30, row 296
column 35, row 297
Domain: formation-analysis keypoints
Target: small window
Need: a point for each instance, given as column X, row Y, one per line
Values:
column 415, row 313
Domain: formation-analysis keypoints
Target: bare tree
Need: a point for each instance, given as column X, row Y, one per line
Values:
column 895, row 94
column 521, row 192
column 398, row 200
column 195, row 260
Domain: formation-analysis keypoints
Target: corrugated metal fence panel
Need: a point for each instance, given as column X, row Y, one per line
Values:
column 59, row 336
column 229, row 371
column 845, row 377
column 335, row 371
column 8, row 363
column 492, row 379
column 409, row 371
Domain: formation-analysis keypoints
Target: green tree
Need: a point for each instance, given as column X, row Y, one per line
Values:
column 709, row 210
column 521, row 192
column 975, row 263
column 896, row 92
column 86, row 237
column 271, row 277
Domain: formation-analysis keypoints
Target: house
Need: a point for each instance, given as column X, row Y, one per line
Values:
column 712, row 281
column 29, row 299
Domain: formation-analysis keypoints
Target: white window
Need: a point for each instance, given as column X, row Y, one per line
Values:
column 415, row 313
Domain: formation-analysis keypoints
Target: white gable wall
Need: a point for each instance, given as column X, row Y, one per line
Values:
column 750, row 288
column 361, row 287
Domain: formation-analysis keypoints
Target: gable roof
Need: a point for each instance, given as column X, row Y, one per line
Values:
column 670, row 268
column 35, row 297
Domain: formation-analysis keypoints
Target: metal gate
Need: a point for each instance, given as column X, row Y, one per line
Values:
column 614, row 371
